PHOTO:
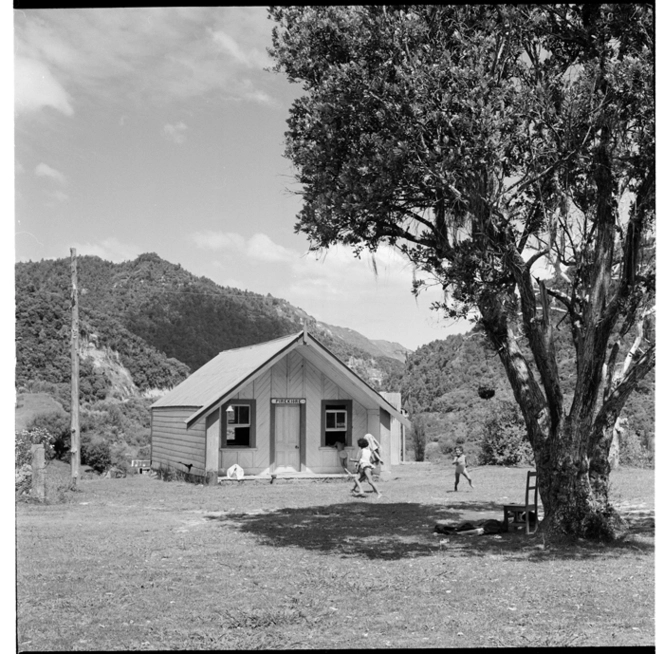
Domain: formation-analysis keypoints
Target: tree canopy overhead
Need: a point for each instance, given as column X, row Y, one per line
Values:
column 508, row 152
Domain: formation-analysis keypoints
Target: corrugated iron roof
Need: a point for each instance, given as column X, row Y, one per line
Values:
column 220, row 375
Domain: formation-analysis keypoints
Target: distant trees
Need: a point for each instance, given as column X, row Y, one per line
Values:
column 419, row 437
column 483, row 142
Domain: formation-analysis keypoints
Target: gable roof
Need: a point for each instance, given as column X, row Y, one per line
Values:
column 224, row 375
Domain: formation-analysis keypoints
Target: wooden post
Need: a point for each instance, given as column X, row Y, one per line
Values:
column 38, row 474
column 75, row 435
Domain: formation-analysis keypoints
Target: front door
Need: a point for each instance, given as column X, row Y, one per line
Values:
column 287, row 438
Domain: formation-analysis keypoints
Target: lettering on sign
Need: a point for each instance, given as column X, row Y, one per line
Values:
column 288, row 400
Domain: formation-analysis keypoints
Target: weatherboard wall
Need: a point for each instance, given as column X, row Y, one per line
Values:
column 175, row 446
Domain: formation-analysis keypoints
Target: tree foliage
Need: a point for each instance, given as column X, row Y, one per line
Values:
column 492, row 146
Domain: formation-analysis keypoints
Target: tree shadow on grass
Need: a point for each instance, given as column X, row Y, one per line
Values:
column 392, row 531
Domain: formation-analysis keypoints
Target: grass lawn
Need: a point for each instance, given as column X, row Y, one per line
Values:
column 138, row 563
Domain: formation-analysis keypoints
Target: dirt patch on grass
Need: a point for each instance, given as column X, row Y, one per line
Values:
column 137, row 563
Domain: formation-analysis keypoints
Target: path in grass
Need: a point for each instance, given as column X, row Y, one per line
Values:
column 137, row 563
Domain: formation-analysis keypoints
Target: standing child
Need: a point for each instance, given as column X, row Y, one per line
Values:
column 364, row 467
column 460, row 463
column 343, row 455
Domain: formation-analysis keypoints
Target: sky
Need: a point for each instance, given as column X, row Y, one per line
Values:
column 160, row 130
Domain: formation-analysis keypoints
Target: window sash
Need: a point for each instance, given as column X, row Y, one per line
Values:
column 238, row 425
column 335, row 420
column 241, row 415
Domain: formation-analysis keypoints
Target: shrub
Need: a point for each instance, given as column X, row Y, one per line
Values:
column 432, row 452
column 25, row 439
column 58, row 424
column 503, row 440
column 633, row 452
column 96, row 453
column 446, row 445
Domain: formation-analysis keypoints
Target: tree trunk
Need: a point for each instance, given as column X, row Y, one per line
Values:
column 573, row 468
column 574, row 488
column 614, row 450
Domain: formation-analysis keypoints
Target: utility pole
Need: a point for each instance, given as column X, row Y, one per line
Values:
column 75, row 448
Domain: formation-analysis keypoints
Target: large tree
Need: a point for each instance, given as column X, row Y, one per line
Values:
column 508, row 152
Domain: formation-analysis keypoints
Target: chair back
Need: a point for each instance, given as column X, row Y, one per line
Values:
column 531, row 488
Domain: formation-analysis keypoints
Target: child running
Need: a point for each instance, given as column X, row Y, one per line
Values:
column 364, row 467
column 460, row 463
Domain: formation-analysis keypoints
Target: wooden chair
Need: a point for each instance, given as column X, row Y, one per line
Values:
column 520, row 513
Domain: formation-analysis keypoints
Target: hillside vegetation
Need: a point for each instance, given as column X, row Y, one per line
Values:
column 156, row 319
column 441, row 384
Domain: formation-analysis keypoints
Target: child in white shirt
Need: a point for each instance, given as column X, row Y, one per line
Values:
column 364, row 467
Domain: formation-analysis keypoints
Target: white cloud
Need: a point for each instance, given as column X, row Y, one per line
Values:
column 44, row 170
column 328, row 270
column 331, row 272
column 251, row 57
column 175, row 133
column 259, row 247
column 262, row 248
column 110, row 249
column 149, row 55
column 35, row 87
column 210, row 240
column 60, row 196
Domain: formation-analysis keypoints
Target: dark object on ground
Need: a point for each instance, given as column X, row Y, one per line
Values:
column 442, row 528
column 486, row 392
column 490, row 526
column 493, row 526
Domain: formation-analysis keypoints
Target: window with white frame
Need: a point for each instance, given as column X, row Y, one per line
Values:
column 238, row 429
column 336, row 419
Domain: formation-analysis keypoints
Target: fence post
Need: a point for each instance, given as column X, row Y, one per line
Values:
column 38, row 472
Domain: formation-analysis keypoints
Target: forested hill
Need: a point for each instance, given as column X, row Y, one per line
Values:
column 157, row 321
column 442, row 380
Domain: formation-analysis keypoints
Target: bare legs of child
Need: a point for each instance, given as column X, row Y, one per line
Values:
column 357, row 488
column 457, row 476
column 365, row 475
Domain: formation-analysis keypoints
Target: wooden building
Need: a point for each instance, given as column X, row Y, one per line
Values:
column 272, row 408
